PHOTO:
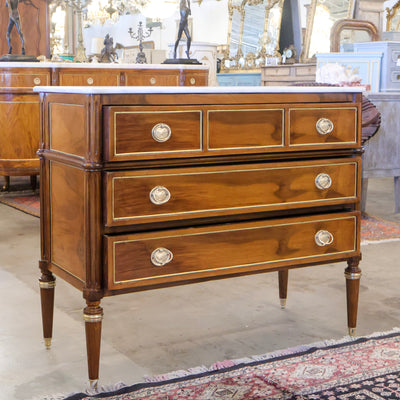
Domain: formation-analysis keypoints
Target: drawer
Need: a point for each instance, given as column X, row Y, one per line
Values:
column 86, row 78
column 151, row 78
column 322, row 127
column 167, row 195
column 244, row 129
column 195, row 79
column 152, row 132
column 24, row 80
column 138, row 260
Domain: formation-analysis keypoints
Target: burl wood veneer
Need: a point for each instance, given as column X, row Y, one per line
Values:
column 147, row 188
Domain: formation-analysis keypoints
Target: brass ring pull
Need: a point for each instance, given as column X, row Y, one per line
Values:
column 161, row 256
column 37, row 81
column 161, row 132
column 159, row 195
column 153, row 81
column 89, row 81
column 324, row 126
column 323, row 238
column 323, row 181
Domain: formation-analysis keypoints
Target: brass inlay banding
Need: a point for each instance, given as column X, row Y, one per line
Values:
column 62, row 74
column 199, row 149
column 324, row 200
column 246, row 147
column 328, row 143
column 47, row 285
column 18, row 75
column 63, row 268
column 93, row 318
column 354, row 218
column 50, row 128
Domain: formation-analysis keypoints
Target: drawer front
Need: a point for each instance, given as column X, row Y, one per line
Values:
column 105, row 78
column 322, row 127
column 166, row 195
column 244, row 129
column 154, row 78
column 195, row 79
column 24, row 80
column 147, row 259
column 149, row 132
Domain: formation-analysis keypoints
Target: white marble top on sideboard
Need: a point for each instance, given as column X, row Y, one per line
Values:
column 197, row 89
column 98, row 65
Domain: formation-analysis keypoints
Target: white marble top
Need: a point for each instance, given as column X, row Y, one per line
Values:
column 98, row 65
column 197, row 89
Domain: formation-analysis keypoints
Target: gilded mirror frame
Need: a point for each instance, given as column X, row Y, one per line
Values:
column 240, row 62
column 393, row 14
column 305, row 57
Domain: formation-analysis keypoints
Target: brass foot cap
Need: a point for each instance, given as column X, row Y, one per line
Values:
column 47, row 343
column 283, row 303
column 352, row 331
column 93, row 384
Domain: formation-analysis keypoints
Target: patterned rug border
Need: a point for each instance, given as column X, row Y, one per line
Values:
column 221, row 367
column 8, row 199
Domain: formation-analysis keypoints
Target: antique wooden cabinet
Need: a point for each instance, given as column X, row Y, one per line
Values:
column 19, row 106
column 148, row 187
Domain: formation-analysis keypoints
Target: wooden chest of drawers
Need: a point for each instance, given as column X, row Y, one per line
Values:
column 145, row 188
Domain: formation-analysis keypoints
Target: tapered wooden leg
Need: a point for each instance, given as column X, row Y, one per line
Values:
column 6, row 186
column 283, row 285
column 93, row 315
column 353, row 275
column 33, row 182
column 47, row 283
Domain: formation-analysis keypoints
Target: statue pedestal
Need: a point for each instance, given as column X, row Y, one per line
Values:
column 206, row 53
column 18, row 58
column 181, row 61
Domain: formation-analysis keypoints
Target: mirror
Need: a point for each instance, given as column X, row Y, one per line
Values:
column 393, row 18
column 322, row 14
column 348, row 31
column 253, row 34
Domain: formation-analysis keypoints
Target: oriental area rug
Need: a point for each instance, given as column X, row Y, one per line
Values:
column 366, row 368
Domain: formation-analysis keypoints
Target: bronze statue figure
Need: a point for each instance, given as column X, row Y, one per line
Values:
column 108, row 53
column 14, row 19
column 184, row 9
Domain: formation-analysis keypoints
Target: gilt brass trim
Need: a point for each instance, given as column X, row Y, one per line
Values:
column 47, row 285
column 47, row 343
column 352, row 275
column 36, row 75
column 63, row 268
column 152, row 215
column 93, row 317
column 231, row 267
column 50, row 128
column 114, row 140
column 85, row 76
column 246, row 147
column 328, row 143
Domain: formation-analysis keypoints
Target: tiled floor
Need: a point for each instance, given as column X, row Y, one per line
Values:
column 177, row 328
